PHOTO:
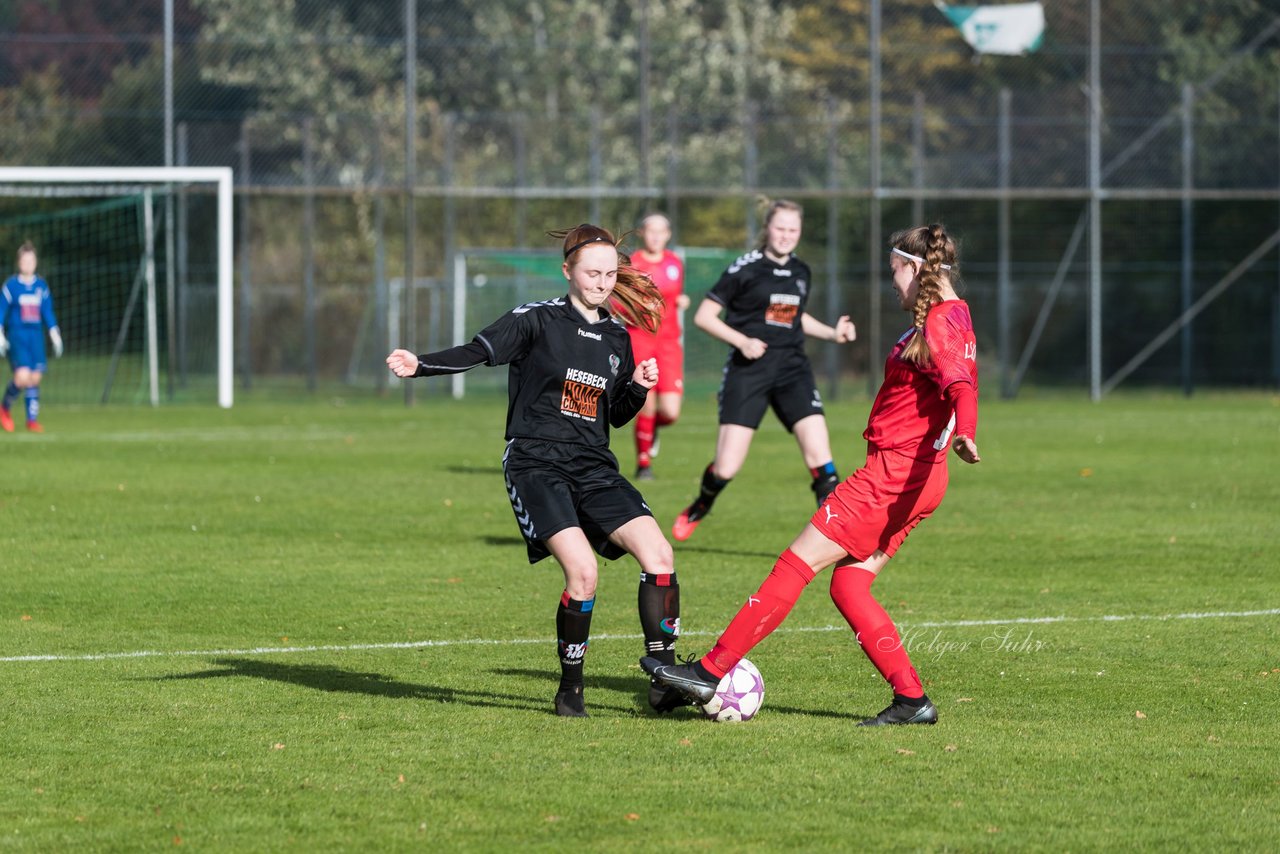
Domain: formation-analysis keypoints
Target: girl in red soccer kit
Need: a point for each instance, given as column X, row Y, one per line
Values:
column 662, row 407
column 927, row 406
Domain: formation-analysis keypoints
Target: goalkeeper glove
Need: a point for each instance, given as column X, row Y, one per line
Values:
column 56, row 337
column 4, row 344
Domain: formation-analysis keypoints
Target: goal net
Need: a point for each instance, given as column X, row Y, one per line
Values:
column 138, row 262
column 488, row 282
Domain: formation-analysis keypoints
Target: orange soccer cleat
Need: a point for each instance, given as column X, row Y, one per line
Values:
column 34, row 427
column 684, row 526
column 6, row 420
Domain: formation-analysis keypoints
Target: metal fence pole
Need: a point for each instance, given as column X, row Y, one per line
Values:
column 750, row 167
column 1095, row 200
column 183, row 259
column 673, row 167
column 1188, row 229
column 451, row 222
column 917, row 157
column 410, row 177
column 380, row 295
column 309, row 250
column 597, row 162
column 646, row 122
column 833, row 246
column 875, row 257
column 246, row 280
column 1004, row 285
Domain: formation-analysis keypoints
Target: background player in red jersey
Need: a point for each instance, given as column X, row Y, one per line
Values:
column 927, row 405
column 763, row 297
column 662, row 407
column 572, row 377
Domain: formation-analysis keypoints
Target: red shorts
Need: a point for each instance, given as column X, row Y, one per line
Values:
column 667, row 351
column 878, row 506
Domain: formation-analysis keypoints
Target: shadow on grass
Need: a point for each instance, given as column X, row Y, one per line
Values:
column 493, row 540
column 711, row 550
column 324, row 677
column 627, row 684
column 484, row 470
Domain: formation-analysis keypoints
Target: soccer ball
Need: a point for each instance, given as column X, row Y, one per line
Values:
column 738, row 696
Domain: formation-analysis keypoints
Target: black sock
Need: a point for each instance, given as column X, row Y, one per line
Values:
column 659, row 604
column 573, row 627
column 913, row 702
column 825, row 481
column 711, row 487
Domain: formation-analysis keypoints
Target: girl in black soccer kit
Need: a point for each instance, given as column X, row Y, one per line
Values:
column 764, row 294
column 571, row 377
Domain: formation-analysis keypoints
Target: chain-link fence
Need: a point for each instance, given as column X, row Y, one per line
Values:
column 527, row 116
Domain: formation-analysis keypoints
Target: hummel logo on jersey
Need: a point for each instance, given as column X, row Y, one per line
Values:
column 585, row 334
column 830, row 515
column 971, row 350
column 778, row 271
column 532, row 305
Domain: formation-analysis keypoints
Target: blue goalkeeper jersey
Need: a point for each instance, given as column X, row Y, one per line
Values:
column 28, row 309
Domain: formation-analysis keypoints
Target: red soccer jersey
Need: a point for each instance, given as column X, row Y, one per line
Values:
column 668, row 275
column 911, row 415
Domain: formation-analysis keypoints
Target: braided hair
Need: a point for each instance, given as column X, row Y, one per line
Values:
column 937, row 248
column 635, row 297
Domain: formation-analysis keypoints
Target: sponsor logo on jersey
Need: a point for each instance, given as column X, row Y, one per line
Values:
column 614, row 364
column 593, row 335
column 580, row 395
column 783, row 310
column 29, row 308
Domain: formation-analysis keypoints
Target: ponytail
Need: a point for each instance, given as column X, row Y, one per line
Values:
column 935, row 246
column 636, row 299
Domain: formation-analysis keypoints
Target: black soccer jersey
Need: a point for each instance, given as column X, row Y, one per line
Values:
column 764, row 299
column 569, row 380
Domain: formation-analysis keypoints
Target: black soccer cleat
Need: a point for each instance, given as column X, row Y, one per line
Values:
column 683, row 678
column 569, row 704
column 898, row 712
column 663, row 699
column 644, row 473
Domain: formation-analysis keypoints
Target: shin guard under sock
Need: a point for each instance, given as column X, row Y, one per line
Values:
column 573, row 628
column 765, row 610
column 851, row 591
column 659, row 603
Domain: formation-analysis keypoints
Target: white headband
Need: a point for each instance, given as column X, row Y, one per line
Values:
column 896, row 251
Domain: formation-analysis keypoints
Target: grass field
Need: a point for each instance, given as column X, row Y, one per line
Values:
column 347, row 650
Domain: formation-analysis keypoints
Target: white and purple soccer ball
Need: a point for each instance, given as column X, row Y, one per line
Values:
column 738, row 696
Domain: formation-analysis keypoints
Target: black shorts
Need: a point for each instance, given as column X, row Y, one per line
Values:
column 557, row 485
column 781, row 380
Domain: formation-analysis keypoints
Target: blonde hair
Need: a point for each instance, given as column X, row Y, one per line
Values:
column 767, row 207
column 635, row 297
column 935, row 246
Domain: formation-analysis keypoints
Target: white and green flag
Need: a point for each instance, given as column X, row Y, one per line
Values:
column 1009, row 30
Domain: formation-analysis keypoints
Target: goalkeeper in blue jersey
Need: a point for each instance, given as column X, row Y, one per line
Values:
column 26, row 309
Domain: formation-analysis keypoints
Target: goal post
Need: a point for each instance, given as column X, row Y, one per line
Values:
column 66, row 181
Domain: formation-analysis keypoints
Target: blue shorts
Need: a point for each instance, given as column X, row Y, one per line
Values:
column 27, row 351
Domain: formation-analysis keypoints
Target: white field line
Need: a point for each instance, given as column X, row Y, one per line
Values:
column 428, row 644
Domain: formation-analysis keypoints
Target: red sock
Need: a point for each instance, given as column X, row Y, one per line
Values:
column 644, row 436
column 851, row 590
column 764, row 612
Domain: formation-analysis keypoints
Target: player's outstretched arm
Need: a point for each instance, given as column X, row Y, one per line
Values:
column 455, row 360
column 707, row 318
column 842, row 333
